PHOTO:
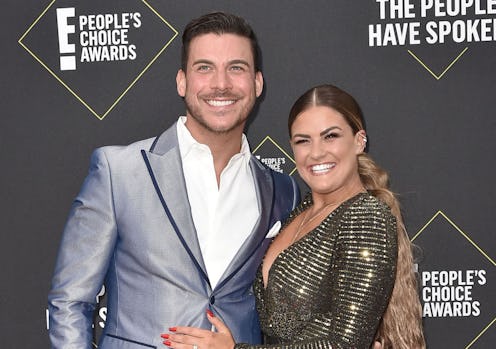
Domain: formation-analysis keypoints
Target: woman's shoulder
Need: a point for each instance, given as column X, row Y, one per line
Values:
column 367, row 210
column 371, row 205
column 372, row 220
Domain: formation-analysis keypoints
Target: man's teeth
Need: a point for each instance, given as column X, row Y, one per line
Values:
column 322, row 167
column 217, row 103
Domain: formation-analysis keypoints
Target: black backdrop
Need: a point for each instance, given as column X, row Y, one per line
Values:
column 428, row 101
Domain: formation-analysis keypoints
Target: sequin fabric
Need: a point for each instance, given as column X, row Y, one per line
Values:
column 331, row 287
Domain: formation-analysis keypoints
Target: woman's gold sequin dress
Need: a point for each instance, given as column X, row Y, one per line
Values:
column 330, row 288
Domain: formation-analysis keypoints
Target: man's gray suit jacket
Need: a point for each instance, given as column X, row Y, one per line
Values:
column 131, row 228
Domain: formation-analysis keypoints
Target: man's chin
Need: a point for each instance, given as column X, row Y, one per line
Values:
column 221, row 128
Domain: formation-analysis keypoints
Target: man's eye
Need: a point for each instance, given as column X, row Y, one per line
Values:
column 203, row 68
column 237, row 68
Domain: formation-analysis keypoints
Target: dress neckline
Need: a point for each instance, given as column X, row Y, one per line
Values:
column 305, row 204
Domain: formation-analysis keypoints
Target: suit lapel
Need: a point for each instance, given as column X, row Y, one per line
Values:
column 264, row 186
column 164, row 165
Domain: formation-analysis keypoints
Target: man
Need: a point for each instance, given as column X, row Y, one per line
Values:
column 175, row 225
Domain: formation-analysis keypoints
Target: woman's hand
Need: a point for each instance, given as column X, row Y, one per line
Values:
column 197, row 338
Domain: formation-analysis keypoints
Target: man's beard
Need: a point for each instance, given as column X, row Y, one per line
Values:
column 196, row 114
column 200, row 120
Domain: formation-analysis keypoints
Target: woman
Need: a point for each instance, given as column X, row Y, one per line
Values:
column 340, row 272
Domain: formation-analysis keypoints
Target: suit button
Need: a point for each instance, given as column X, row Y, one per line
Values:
column 212, row 300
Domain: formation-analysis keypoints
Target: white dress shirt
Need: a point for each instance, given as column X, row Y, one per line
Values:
column 225, row 214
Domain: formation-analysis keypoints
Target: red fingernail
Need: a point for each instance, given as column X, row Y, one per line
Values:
column 164, row 335
column 168, row 343
column 210, row 313
column 172, row 329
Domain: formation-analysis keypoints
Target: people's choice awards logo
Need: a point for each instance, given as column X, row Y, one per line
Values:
column 102, row 37
column 452, row 24
column 455, row 293
column 98, row 49
column 274, row 156
column 449, row 293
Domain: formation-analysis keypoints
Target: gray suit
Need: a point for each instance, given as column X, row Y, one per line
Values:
column 131, row 227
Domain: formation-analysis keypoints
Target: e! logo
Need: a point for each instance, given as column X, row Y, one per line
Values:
column 64, row 29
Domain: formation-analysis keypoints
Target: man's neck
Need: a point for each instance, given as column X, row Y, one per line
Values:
column 223, row 146
column 222, row 152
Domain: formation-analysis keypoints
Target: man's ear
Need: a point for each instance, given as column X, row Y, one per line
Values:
column 181, row 82
column 259, row 82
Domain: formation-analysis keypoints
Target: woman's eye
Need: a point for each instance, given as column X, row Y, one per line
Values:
column 300, row 141
column 331, row 135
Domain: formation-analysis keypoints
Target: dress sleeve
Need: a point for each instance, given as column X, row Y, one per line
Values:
column 358, row 284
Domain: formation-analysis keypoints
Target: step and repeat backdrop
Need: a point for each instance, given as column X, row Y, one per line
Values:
column 81, row 74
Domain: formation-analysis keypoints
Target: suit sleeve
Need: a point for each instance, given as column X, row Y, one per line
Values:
column 287, row 195
column 296, row 193
column 86, row 248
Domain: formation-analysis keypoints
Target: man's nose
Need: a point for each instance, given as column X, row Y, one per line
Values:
column 221, row 80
